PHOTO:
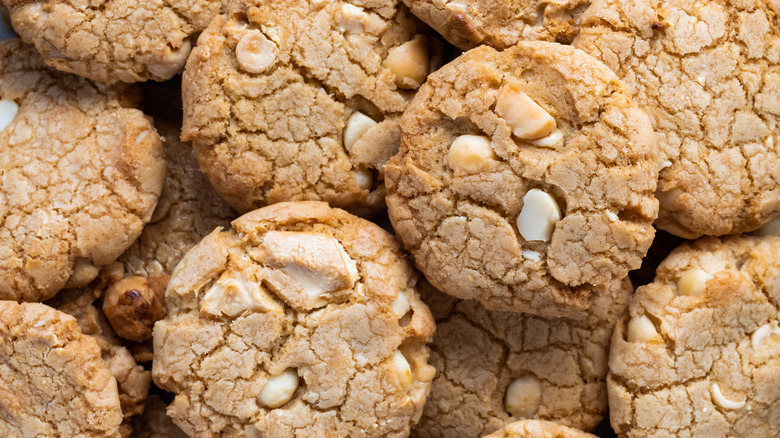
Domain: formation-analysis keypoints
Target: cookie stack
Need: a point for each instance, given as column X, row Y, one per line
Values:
column 386, row 218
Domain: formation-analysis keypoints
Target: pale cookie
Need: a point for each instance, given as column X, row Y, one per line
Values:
column 302, row 320
column 53, row 382
column 524, row 178
column 493, row 368
column 288, row 100
column 80, row 174
column 155, row 423
column 699, row 352
column 187, row 211
column 500, row 23
column 538, row 429
column 113, row 40
column 707, row 73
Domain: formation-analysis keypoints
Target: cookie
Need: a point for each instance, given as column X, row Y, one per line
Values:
column 494, row 368
column 538, row 429
column 288, row 100
column 187, row 211
column 524, row 178
column 302, row 320
column 81, row 174
column 707, row 74
column 699, row 352
column 155, row 423
column 115, row 40
column 53, row 382
column 500, row 23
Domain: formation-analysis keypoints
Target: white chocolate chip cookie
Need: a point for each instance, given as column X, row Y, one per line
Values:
column 538, row 429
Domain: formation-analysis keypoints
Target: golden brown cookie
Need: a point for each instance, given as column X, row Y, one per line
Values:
column 113, row 40
column 493, row 368
column 707, row 74
column 302, row 320
column 699, row 352
column 538, row 429
column 524, row 178
column 81, row 173
column 299, row 100
column 53, row 382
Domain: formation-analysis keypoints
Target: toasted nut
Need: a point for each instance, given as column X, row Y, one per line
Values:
column 254, row 52
column 641, row 329
column 8, row 110
column 132, row 306
column 279, row 389
column 525, row 118
column 402, row 370
column 549, row 141
column 722, row 401
column 401, row 305
column 523, row 397
column 83, row 272
column 763, row 333
column 692, row 283
column 357, row 125
column 233, row 296
column 363, row 178
column 470, row 154
column 409, row 63
column 352, row 19
column 172, row 62
column 161, row 210
column 539, row 215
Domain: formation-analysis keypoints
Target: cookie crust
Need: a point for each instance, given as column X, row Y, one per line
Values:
column 538, row 429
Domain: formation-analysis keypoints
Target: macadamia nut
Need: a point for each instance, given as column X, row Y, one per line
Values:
column 764, row 333
column 401, row 305
column 279, row 389
column 8, row 111
column 254, row 52
column 642, row 329
column 722, row 401
column 470, row 154
column 692, row 283
column 233, row 296
column 538, row 217
column 526, row 119
column 409, row 63
column 523, row 397
column 402, row 370
column 357, row 125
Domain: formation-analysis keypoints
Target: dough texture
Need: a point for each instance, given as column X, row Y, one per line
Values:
column 538, row 429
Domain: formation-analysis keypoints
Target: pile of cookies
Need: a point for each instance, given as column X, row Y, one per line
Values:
column 386, row 218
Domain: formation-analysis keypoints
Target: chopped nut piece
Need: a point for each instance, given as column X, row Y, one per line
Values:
column 233, row 296
column 549, row 141
column 526, row 118
column 523, row 397
column 8, row 110
column 692, row 282
column 132, row 306
column 402, row 370
column 254, row 52
column 538, row 217
column 401, row 305
column 764, row 332
column 641, row 329
column 279, row 389
column 363, row 178
column 722, row 401
column 352, row 19
column 409, row 62
column 470, row 154
column 357, row 125
column 83, row 272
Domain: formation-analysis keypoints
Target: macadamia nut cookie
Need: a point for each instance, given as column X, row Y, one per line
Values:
column 707, row 73
column 699, row 352
column 493, row 368
column 500, row 23
column 80, row 174
column 53, row 382
column 299, row 100
column 538, row 429
column 113, row 40
column 302, row 320
column 524, row 178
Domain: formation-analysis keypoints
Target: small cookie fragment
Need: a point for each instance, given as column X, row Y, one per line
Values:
column 288, row 324
column 538, row 429
column 707, row 362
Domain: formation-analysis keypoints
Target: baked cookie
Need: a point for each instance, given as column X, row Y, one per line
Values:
column 538, row 429
column 699, row 353
column 500, row 23
column 187, row 211
column 302, row 320
column 113, row 40
column 524, row 177
column 53, row 382
column 299, row 100
column 81, row 173
column 495, row 367
column 155, row 423
column 707, row 73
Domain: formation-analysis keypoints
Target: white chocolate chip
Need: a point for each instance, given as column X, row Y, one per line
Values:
column 470, row 154
column 363, row 178
column 692, row 283
column 279, row 389
column 526, row 119
column 642, row 329
column 612, row 216
column 352, row 19
column 409, row 63
column 722, row 401
column 532, row 255
column 401, row 305
column 760, row 336
column 357, row 125
column 539, row 215
column 549, row 141
column 233, row 296
column 254, row 52
column 402, row 370
column 523, row 397
column 8, row 110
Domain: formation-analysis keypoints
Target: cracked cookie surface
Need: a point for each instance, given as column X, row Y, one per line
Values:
column 81, row 174
column 290, row 100
column 494, row 368
column 302, row 320
column 538, row 429
column 113, row 40
column 53, row 382
column 707, row 73
column 699, row 352
column 524, row 177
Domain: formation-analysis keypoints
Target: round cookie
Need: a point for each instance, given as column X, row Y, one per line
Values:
column 81, row 173
column 288, row 100
column 699, row 352
column 495, row 367
column 707, row 73
column 538, row 429
column 114, row 40
column 524, row 178
column 53, row 382
column 500, row 23
column 301, row 320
